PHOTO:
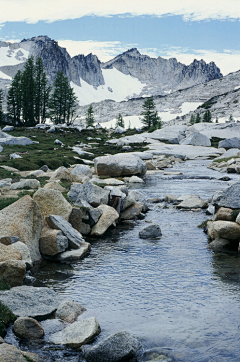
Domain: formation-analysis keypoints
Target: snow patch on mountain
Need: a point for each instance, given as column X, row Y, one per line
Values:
column 117, row 87
column 5, row 76
column 10, row 56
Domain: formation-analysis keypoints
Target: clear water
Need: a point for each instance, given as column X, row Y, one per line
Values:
column 171, row 292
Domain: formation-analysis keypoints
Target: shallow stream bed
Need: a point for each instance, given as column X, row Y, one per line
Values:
column 171, row 292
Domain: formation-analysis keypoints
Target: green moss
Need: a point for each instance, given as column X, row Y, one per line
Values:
column 7, row 201
column 28, row 359
column 4, row 285
column 6, row 317
column 235, row 213
column 225, row 159
column 8, row 174
column 203, row 225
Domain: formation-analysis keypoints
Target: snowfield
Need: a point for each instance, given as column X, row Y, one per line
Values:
column 12, row 57
column 118, row 87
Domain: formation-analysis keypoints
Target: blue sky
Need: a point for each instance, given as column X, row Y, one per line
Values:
column 184, row 29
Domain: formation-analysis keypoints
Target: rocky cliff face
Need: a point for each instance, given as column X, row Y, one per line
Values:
column 161, row 75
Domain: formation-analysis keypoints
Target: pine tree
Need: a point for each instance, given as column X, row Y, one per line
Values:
column 72, row 105
column 28, row 93
column 207, row 116
column 42, row 92
column 120, row 121
column 198, row 118
column 192, row 119
column 1, row 110
column 231, row 118
column 14, row 99
column 59, row 99
column 90, row 117
column 150, row 115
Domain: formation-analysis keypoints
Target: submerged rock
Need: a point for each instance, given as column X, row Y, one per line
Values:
column 77, row 333
column 69, row 310
column 150, row 231
column 121, row 346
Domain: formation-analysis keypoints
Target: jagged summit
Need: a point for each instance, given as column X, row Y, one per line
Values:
column 128, row 75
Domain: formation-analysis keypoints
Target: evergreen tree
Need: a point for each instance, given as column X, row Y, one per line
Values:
column 231, row 118
column 1, row 110
column 90, row 117
column 28, row 93
column 63, row 100
column 72, row 105
column 216, row 120
column 198, row 118
column 207, row 116
column 192, row 119
column 150, row 115
column 120, row 121
column 42, row 92
column 14, row 99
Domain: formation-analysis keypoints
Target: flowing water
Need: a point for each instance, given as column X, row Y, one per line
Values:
column 171, row 292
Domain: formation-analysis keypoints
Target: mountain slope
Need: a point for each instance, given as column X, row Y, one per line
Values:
column 128, row 75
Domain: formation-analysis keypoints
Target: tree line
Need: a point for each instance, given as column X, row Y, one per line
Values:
column 31, row 99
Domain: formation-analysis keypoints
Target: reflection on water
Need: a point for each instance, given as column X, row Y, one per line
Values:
column 171, row 292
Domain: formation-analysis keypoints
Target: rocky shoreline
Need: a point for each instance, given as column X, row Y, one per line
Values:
column 44, row 224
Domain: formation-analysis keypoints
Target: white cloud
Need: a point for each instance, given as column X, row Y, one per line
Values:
column 34, row 10
column 104, row 50
column 228, row 61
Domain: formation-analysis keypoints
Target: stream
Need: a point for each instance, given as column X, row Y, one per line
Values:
column 173, row 293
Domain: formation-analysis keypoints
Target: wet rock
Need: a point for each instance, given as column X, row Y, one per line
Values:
column 71, row 256
column 25, row 252
column 75, row 218
column 224, row 214
column 8, row 252
column 119, row 165
column 193, row 203
column 93, row 194
column 28, row 328
column 85, row 229
column 69, row 310
column 224, row 230
column 121, row 346
column 225, row 178
column 230, row 197
column 52, row 202
column 52, row 241
column 135, row 179
column 219, row 244
column 150, row 165
column 12, row 272
column 150, row 231
column 210, row 210
column 154, row 200
column 28, row 301
column 9, row 353
column 77, row 333
column 24, row 220
column 170, row 198
column 132, row 211
column 59, row 223
column 129, row 201
column 108, row 217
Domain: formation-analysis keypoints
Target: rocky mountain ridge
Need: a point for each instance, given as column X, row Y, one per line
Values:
column 149, row 76
column 161, row 75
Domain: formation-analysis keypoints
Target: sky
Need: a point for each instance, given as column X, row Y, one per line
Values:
column 182, row 29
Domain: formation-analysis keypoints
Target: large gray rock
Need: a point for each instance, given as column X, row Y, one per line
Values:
column 108, row 217
column 59, row 223
column 52, row 202
column 151, row 231
column 24, row 220
column 25, row 252
column 196, row 139
column 224, row 230
column 121, row 164
column 10, row 140
column 28, row 328
column 230, row 143
column 71, row 256
column 230, row 197
column 93, row 194
column 121, row 346
column 52, row 241
column 69, row 310
column 12, row 272
column 80, row 171
column 77, row 333
column 192, row 202
column 29, row 301
column 27, row 183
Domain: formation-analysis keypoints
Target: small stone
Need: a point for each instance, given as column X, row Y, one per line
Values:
column 71, row 256
column 69, row 310
column 28, row 328
column 151, row 231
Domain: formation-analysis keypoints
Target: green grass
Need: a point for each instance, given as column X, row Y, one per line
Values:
column 8, row 174
column 7, row 201
column 66, row 184
column 6, row 317
column 47, row 153
column 4, row 285
column 28, row 359
column 215, row 141
column 225, row 159
column 203, row 225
